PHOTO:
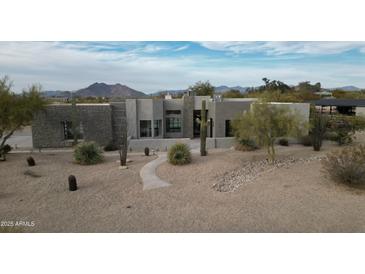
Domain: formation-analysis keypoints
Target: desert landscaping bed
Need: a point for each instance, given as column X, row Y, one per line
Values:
column 293, row 197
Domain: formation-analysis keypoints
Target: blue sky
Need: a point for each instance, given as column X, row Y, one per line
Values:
column 155, row 66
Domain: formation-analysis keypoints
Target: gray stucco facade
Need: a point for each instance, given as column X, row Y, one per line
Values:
column 147, row 119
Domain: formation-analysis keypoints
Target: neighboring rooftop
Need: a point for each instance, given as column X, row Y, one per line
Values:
column 341, row 102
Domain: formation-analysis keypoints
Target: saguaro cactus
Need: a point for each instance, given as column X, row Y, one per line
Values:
column 72, row 183
column 203, row 130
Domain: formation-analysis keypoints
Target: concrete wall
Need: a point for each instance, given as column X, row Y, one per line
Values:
column 156, row 144
column 47, row 130
column 222, row 111
column 360, row 111
column 188, row 117
column 132, row 117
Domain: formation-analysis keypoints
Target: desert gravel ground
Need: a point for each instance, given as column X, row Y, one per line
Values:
column 297, row 198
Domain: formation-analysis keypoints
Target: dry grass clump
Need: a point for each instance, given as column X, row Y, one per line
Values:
column 346, row 165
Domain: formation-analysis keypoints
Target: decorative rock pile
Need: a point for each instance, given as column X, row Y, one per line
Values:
column 251, row 170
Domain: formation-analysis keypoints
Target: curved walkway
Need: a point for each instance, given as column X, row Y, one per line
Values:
column 148, row 172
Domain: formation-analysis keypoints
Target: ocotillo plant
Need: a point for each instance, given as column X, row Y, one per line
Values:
column 203, row 130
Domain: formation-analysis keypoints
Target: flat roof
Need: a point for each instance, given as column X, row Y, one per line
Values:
column 341, row 102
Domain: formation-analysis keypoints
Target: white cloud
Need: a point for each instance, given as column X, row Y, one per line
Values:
column 182, row 48
column 73, row 66
column 281, row 48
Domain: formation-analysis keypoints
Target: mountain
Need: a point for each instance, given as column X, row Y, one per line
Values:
column 98, row 90
column 105, row 90
column 347, row 88
column 57, row 93
column 221, row 89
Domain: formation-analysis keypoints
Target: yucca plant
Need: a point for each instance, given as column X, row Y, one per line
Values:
column 179, row 154
column 88, row 153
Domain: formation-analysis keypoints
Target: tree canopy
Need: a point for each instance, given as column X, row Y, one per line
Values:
column 16, row 110
column 202, row 89
column 232, row 93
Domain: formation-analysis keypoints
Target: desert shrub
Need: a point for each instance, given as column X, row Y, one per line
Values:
column 111, row 147
column 306, row 140
column 283, row 142
column 246, row 145
column 179, row 154
column 346, row 165
column 345, row 127
column 146, row 151
column 88, row 153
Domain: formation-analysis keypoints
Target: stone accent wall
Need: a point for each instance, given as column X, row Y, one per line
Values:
column 47, row 129
column 118, row 112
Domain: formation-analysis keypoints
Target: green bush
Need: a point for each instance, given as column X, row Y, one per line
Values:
column 111, row 147
column 284, row 142
column 246, row 145
column 346, row 165
column 306, row 140
column 88, row 153
column 179, row 154
column 331, row 135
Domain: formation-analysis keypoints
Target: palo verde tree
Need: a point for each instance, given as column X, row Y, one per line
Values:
column 266, row 122
column 202, row 89
column 16, row 110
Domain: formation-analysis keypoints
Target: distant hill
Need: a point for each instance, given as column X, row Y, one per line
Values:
column 99, row 90
column 221, row 89
column 105, row 90
column 348, row 88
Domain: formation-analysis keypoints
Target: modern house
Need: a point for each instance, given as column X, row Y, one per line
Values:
column 147, row 119
column 341, row 106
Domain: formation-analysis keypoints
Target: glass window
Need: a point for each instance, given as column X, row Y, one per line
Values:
column 229, row 131
column 145, row 128
column 67, row 130
column 173, row 124
column 157, row 127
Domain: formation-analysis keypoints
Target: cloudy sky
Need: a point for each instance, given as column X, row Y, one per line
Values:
column 156, row 66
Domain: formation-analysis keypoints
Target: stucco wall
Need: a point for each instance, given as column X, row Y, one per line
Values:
column 222, row 111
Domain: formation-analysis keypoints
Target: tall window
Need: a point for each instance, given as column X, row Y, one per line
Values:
column 173, row 124
column 229, row 131
column 145, row 128
column 157, row 128
column 67, row 130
